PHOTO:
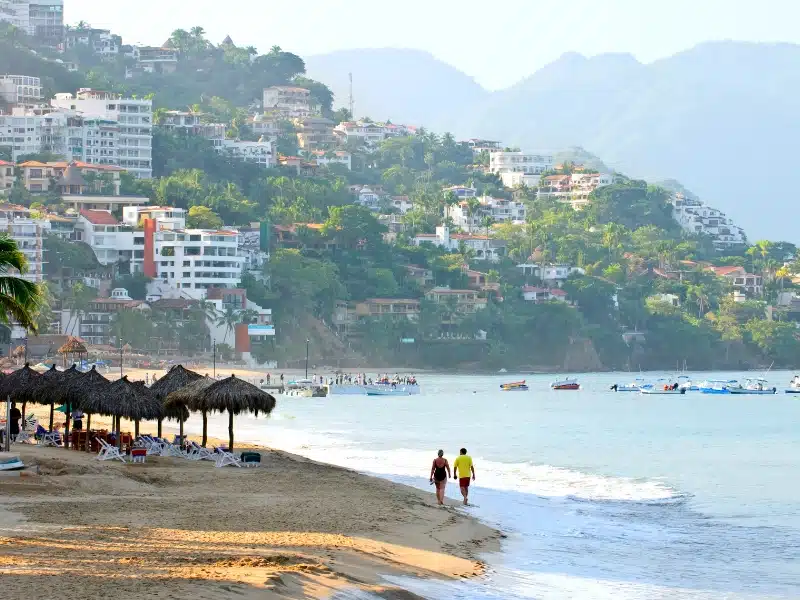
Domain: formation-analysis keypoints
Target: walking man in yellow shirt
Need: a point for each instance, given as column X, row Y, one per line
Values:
column 462, row 467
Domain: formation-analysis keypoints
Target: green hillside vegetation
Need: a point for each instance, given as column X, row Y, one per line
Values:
column 626, row 241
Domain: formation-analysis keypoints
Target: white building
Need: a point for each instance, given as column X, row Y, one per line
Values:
column 100, row 41
column 192, row 123
column 499, row 210
column 43, row 19
column 550, row 273
column 288, row 101
column 575, row 188
column 461, row 192
column 260, row 152
column 369, row 198
column 93, row 140
column 402, row 204
column 265, row 126
column 696, row 218
column 19, row 90
column 27, row 232
column 519, row 162
column 485, row 247
column 135, row 118
column 189, row 260
column 339, row 157
column 28, row 132
column 154, row 59
column 531, row 293
column 369, row 133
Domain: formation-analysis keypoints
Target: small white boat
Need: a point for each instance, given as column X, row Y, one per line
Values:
column 634, row 386
column 661, row 391
column 753, row 386
column 794, row 385
column 388, row 390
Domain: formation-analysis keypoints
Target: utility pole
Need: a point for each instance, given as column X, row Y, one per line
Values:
column 352, row 102
column 215, row 358
column 120, row 358
column 308, row 341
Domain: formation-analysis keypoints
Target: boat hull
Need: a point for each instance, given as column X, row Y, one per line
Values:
column 677, row 392
column 566, row 386
column 519, row 388
column 746, row 392
column 389, row 392
column 792, row 391
column 363, row 390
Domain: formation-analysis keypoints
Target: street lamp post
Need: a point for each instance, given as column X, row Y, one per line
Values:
column 120, row 358
column 308, row 341
column 214, row 344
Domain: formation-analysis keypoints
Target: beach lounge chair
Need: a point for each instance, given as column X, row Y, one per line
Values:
column 23, row 437
column 199, row 453
column 225, row 458
column 50, row 438
column 108, row 452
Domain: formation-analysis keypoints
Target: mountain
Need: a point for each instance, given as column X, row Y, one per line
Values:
column 402, row 85
column 719, row 117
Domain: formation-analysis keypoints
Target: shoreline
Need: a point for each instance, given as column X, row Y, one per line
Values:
column 294, row 528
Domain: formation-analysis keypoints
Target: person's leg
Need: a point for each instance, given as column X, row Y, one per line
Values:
column 464, row 492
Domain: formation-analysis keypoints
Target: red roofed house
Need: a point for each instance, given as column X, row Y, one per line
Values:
column 741, row 280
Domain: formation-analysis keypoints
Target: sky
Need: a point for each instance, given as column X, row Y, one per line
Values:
column 498, row 43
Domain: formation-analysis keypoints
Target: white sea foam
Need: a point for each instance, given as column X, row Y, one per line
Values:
column 542, row 480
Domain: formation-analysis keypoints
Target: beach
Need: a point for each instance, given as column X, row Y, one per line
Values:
column 174, row 528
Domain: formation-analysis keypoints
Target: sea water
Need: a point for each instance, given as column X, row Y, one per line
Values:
column 602, row 494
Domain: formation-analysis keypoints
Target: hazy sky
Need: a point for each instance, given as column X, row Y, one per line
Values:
column 497, row 42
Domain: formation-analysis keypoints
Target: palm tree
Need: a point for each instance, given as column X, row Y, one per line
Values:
column 229, row 319
column 487, row 222
column 472, row 205
column 19, row 299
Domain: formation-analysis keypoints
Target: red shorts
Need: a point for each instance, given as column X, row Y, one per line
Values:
column 463, row 482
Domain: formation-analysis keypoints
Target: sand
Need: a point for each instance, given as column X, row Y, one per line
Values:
column 174, row 528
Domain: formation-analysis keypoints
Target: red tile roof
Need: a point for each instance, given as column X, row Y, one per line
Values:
column 723, row 271
column 99, row 217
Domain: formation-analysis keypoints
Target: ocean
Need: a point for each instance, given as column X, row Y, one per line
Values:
column 602, row 495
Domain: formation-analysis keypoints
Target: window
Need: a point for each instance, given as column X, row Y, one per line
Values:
column 194, row 238
column 187, row 274
column 168, row 251
column 192, row 251
column 187, row 263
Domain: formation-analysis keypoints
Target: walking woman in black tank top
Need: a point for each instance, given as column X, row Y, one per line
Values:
column 440, row 473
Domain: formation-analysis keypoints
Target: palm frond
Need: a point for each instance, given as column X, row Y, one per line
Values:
column 19, row 299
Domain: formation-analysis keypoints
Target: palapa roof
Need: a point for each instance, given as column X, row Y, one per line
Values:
column 188, row 393
column 49, row 388
column 133, row 401
column 88, row 391
column 18, row 384
column 177, row 378
column 73, row 345
column 233, row 395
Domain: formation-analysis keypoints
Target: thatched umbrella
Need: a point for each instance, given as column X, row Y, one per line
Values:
column 188, row 394
column 49, row 388
column 176, row 410
column 16, row 386
column 132, row 401
column 72, row 347
column 235, row 396
column 177, row 378
column 87, row 391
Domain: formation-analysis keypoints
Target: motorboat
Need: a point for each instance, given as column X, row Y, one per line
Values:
column 687, row 384
column 387, row 390
column 565, row 384
column 667, row 390
column 717, row 386
column 794, row 385
column 634, row 386
column 753, row 386
column 10, row 462
column 356, row 389
column 516, row 386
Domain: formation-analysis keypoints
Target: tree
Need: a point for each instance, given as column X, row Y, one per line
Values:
column 19, row 299
column 230, row 318
column 202, row 217
column 136, row 284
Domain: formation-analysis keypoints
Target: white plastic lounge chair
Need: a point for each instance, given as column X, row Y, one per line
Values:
column 200, row 453
column 23, row 438
column 108, row 452
column 225, row 458
column 51, row 438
